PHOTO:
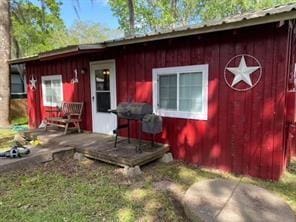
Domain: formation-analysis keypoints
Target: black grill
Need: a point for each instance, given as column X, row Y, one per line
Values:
column 133, row 111
column 129, row 112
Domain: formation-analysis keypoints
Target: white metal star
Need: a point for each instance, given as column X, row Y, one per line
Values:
column 242, row 72
column 33, row 82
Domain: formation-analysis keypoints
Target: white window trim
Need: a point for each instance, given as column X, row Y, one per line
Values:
column 204, row 68
column 51, row 77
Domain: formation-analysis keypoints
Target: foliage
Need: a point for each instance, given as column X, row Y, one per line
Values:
column 120, row 9
column 154, row 15
column 72, row 191
column 217, row 9
column 33, row 25
column 39, row 28
column 88, row 32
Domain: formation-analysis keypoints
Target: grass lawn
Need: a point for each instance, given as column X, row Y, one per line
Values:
column 72, row 191
column 93, row 191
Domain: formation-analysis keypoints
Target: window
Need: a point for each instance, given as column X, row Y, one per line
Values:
column 103, row 90
column 52, row 90
column 18, row 81
column 17, row 84
column 181, row 92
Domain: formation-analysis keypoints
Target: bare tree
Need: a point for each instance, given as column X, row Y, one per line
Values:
column 4, row 66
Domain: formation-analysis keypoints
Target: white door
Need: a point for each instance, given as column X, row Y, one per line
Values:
column 103, row 94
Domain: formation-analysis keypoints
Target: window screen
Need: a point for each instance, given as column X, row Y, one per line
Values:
column 103, row 96
column 17, row 84
column 190, row 88
column 168, row 91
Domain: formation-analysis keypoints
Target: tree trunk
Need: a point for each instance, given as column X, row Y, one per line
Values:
column 131, row 11
column 174, row 11
column 4, row 66
column 174, row 7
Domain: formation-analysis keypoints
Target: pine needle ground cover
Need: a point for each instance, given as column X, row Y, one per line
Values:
column 93, row 191
column 7, row 134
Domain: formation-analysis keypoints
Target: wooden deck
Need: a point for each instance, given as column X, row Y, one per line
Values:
column 101, row 147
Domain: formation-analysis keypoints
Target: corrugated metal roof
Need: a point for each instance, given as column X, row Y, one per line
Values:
column 278, row 13
column 218, row 22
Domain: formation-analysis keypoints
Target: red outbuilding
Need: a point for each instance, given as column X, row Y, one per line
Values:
column 226, row 89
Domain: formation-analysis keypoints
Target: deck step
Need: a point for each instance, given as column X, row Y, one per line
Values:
column 101, row 147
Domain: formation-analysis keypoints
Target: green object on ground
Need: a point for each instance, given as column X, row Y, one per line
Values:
column 19, row 128
column 19, row 121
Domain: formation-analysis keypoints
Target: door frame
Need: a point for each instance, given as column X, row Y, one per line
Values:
column 113, row 96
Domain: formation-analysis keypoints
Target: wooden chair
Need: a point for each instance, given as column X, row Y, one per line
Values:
column 69, row 114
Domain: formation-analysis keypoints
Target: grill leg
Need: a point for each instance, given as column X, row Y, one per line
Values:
column 139, row 148
column 128, row 131
column 116, row 135
column 116, row 131
column 153, row 139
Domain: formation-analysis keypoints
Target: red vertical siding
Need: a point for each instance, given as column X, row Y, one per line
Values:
column 71, row 92
column 291, row 98
column 244, row 132
column 293, row 71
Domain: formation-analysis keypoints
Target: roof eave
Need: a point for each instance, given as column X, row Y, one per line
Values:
column 23, row 60
column 66, row 50
column 57, row 52
column 91, row 46
column 71, row 49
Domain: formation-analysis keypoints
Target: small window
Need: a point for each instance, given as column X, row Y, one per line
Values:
column 17, row 84
column 103, row 90
column 52, row 90
column 181, row 92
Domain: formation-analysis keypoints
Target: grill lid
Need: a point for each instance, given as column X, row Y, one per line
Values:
column 133, row 110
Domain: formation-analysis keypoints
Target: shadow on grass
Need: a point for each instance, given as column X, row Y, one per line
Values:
column 71, row 191
column 186, row 175
column 181, row 173
column 292, row 167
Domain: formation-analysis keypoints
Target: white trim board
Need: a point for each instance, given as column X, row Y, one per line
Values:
column 204, row 68
column 103, row 122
